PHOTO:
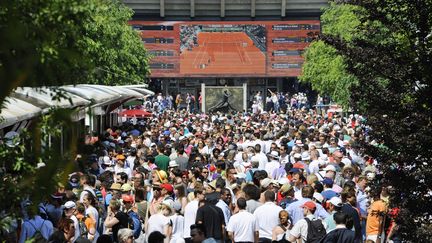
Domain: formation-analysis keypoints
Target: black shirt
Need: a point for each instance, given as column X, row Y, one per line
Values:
column 123, row 223
column 212, row 218
column 340, row 236
column 354, row 220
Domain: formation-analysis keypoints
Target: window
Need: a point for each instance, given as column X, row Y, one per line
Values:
column 161, row 53
column 295, row 27
column 286, row 65
column 158, row 40
column 161, row 66
column 279, row 53
column 152, row 27
column 281, row 40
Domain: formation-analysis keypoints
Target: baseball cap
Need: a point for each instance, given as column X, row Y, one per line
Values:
column 266, row 182
column 327, row 181
column 172, row 164
column 107, row 161
column 294, row 170
column 318, row 197
column 336, row 201
column 128, row 198
column 309, row 205
column 69, row 205
column 126, row 187
column 167, row 187
column 330, row 168
column 274, row 154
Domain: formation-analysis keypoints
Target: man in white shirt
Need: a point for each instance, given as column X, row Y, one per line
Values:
column 190, row 212
column 267, row 217
column 260, row 156
column 242, row 226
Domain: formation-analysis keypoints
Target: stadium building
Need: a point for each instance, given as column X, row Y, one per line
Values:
column 226, row 42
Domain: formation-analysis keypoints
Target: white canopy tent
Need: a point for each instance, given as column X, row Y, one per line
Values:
column 16, row 110
column 43, row 97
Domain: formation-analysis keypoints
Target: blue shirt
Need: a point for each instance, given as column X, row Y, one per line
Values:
column 29, row 227
column 295, row 210
column 362, row 201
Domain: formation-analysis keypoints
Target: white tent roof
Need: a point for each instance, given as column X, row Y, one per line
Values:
column 42, row 97
column 16, row 110
column 124, row 92
column 98, row 96
column 139, row 88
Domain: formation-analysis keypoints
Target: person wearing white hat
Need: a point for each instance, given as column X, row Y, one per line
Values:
column 172, row 164
column 273, row 164
column 317, row 198
column 334, row 205
column 69, row 209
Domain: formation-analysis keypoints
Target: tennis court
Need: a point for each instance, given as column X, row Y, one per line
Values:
column 223, row 53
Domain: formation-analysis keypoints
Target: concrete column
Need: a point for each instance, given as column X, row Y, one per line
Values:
column 283, row 8
column 222, row 10
column 162, row 8
column 192, row 8
column 253, row 7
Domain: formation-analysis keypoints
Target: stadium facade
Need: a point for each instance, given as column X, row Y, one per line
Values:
column 226, row 42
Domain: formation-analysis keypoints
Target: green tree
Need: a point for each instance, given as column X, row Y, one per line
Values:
column 390, row 56
column 56, row 42
column 53, row 43
column 324, row 67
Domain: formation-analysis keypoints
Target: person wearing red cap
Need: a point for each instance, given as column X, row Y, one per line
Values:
column 166, row 192
column 128, row 201
column 300, row 229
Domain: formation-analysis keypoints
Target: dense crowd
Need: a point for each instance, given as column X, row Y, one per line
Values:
column 282, row 175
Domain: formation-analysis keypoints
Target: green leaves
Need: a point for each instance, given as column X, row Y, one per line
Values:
column 57, row 42
column 324, row 68
column 389, row 56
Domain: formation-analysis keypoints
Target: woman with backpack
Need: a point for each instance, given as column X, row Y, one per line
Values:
column 281, row 231
column 86, row 225
column 116, row 219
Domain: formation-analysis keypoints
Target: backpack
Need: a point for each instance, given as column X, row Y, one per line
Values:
column 315, row 231
column 38, row 237
column 134, row 223
column 283, row 240
column 82, row 227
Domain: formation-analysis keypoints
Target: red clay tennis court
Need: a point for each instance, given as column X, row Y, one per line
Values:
column 223, row 53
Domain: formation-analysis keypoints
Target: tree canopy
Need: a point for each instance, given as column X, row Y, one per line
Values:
column 389, row 55
column 56, row 42
column 324, row 67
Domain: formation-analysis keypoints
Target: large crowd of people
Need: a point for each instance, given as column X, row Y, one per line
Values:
column 282, row 175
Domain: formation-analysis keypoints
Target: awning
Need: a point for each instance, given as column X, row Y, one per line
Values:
column 97, row 96
column 124, row 92
column 135, row 113
column 139, row 88
column 42, row 97
column 16, row 110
